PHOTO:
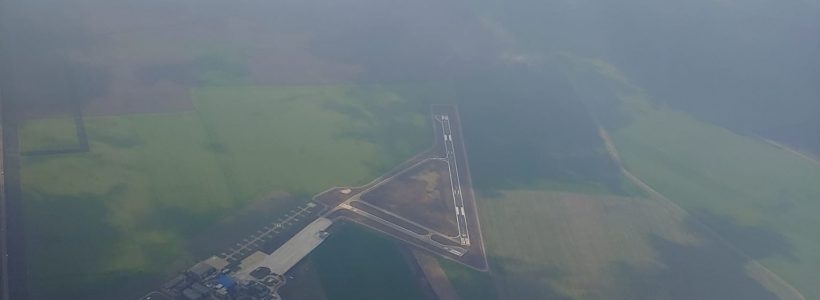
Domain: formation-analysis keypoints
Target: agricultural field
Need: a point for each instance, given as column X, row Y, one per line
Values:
column 123, row 212
column 556, row 245
column 759, row 198
column 50, row 134
column 318, row 137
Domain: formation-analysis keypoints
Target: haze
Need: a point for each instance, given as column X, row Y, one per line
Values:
column 363, row 149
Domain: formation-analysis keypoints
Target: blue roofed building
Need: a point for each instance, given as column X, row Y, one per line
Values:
column 226, row 281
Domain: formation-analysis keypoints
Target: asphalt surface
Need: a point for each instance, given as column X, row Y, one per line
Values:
column 448, row 139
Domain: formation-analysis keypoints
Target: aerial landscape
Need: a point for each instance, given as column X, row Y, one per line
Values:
column 362, row 149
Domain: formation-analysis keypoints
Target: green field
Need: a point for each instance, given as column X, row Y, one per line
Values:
column 307, row 139
column 123, row 209
column 760, row 198
column 564, row 245
column 115, row 220
column 48, row 134
column 757, row 197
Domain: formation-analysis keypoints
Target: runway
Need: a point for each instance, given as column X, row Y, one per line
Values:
column 455, row 179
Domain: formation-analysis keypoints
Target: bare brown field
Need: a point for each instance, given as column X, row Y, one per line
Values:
column 422, row 194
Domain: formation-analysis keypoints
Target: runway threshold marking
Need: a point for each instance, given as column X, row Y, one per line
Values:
column 455, row 185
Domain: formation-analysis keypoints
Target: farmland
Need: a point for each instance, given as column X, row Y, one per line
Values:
column 617, row 150
column 50, row 134
column 555, row 245
column 568, row 246
column 759, row 198
column 124, row 210
column 324, row 136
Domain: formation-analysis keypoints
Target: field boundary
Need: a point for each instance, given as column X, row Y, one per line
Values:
column 80, row 132
column 613, row 152
column 809, row 157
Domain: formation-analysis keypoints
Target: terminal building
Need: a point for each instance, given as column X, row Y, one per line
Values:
column 289, row 254
column 258, row 276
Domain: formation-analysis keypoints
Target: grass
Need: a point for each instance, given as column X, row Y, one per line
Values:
column 755, row 185
column 306, row 139
column 114, row 221
column 557, row 245
column 551, row 245
column 759, row 198
column 48, row 134
column 123, row 208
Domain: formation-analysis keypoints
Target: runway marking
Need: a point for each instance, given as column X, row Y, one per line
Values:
column 455, row 185
column 423, row 238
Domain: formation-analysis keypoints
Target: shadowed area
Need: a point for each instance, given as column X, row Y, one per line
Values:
column 524, row 126
column 710, row 270
column 756, row 241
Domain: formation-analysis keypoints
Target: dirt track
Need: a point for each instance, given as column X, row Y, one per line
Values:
column 755, row 265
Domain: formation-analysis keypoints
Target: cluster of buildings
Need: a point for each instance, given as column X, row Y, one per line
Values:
column 257, row 277
column 212, row 279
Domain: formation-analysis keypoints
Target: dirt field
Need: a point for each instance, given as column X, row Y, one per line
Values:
column 422, row 194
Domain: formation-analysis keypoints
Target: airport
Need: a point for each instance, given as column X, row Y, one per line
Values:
column 252, row 270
